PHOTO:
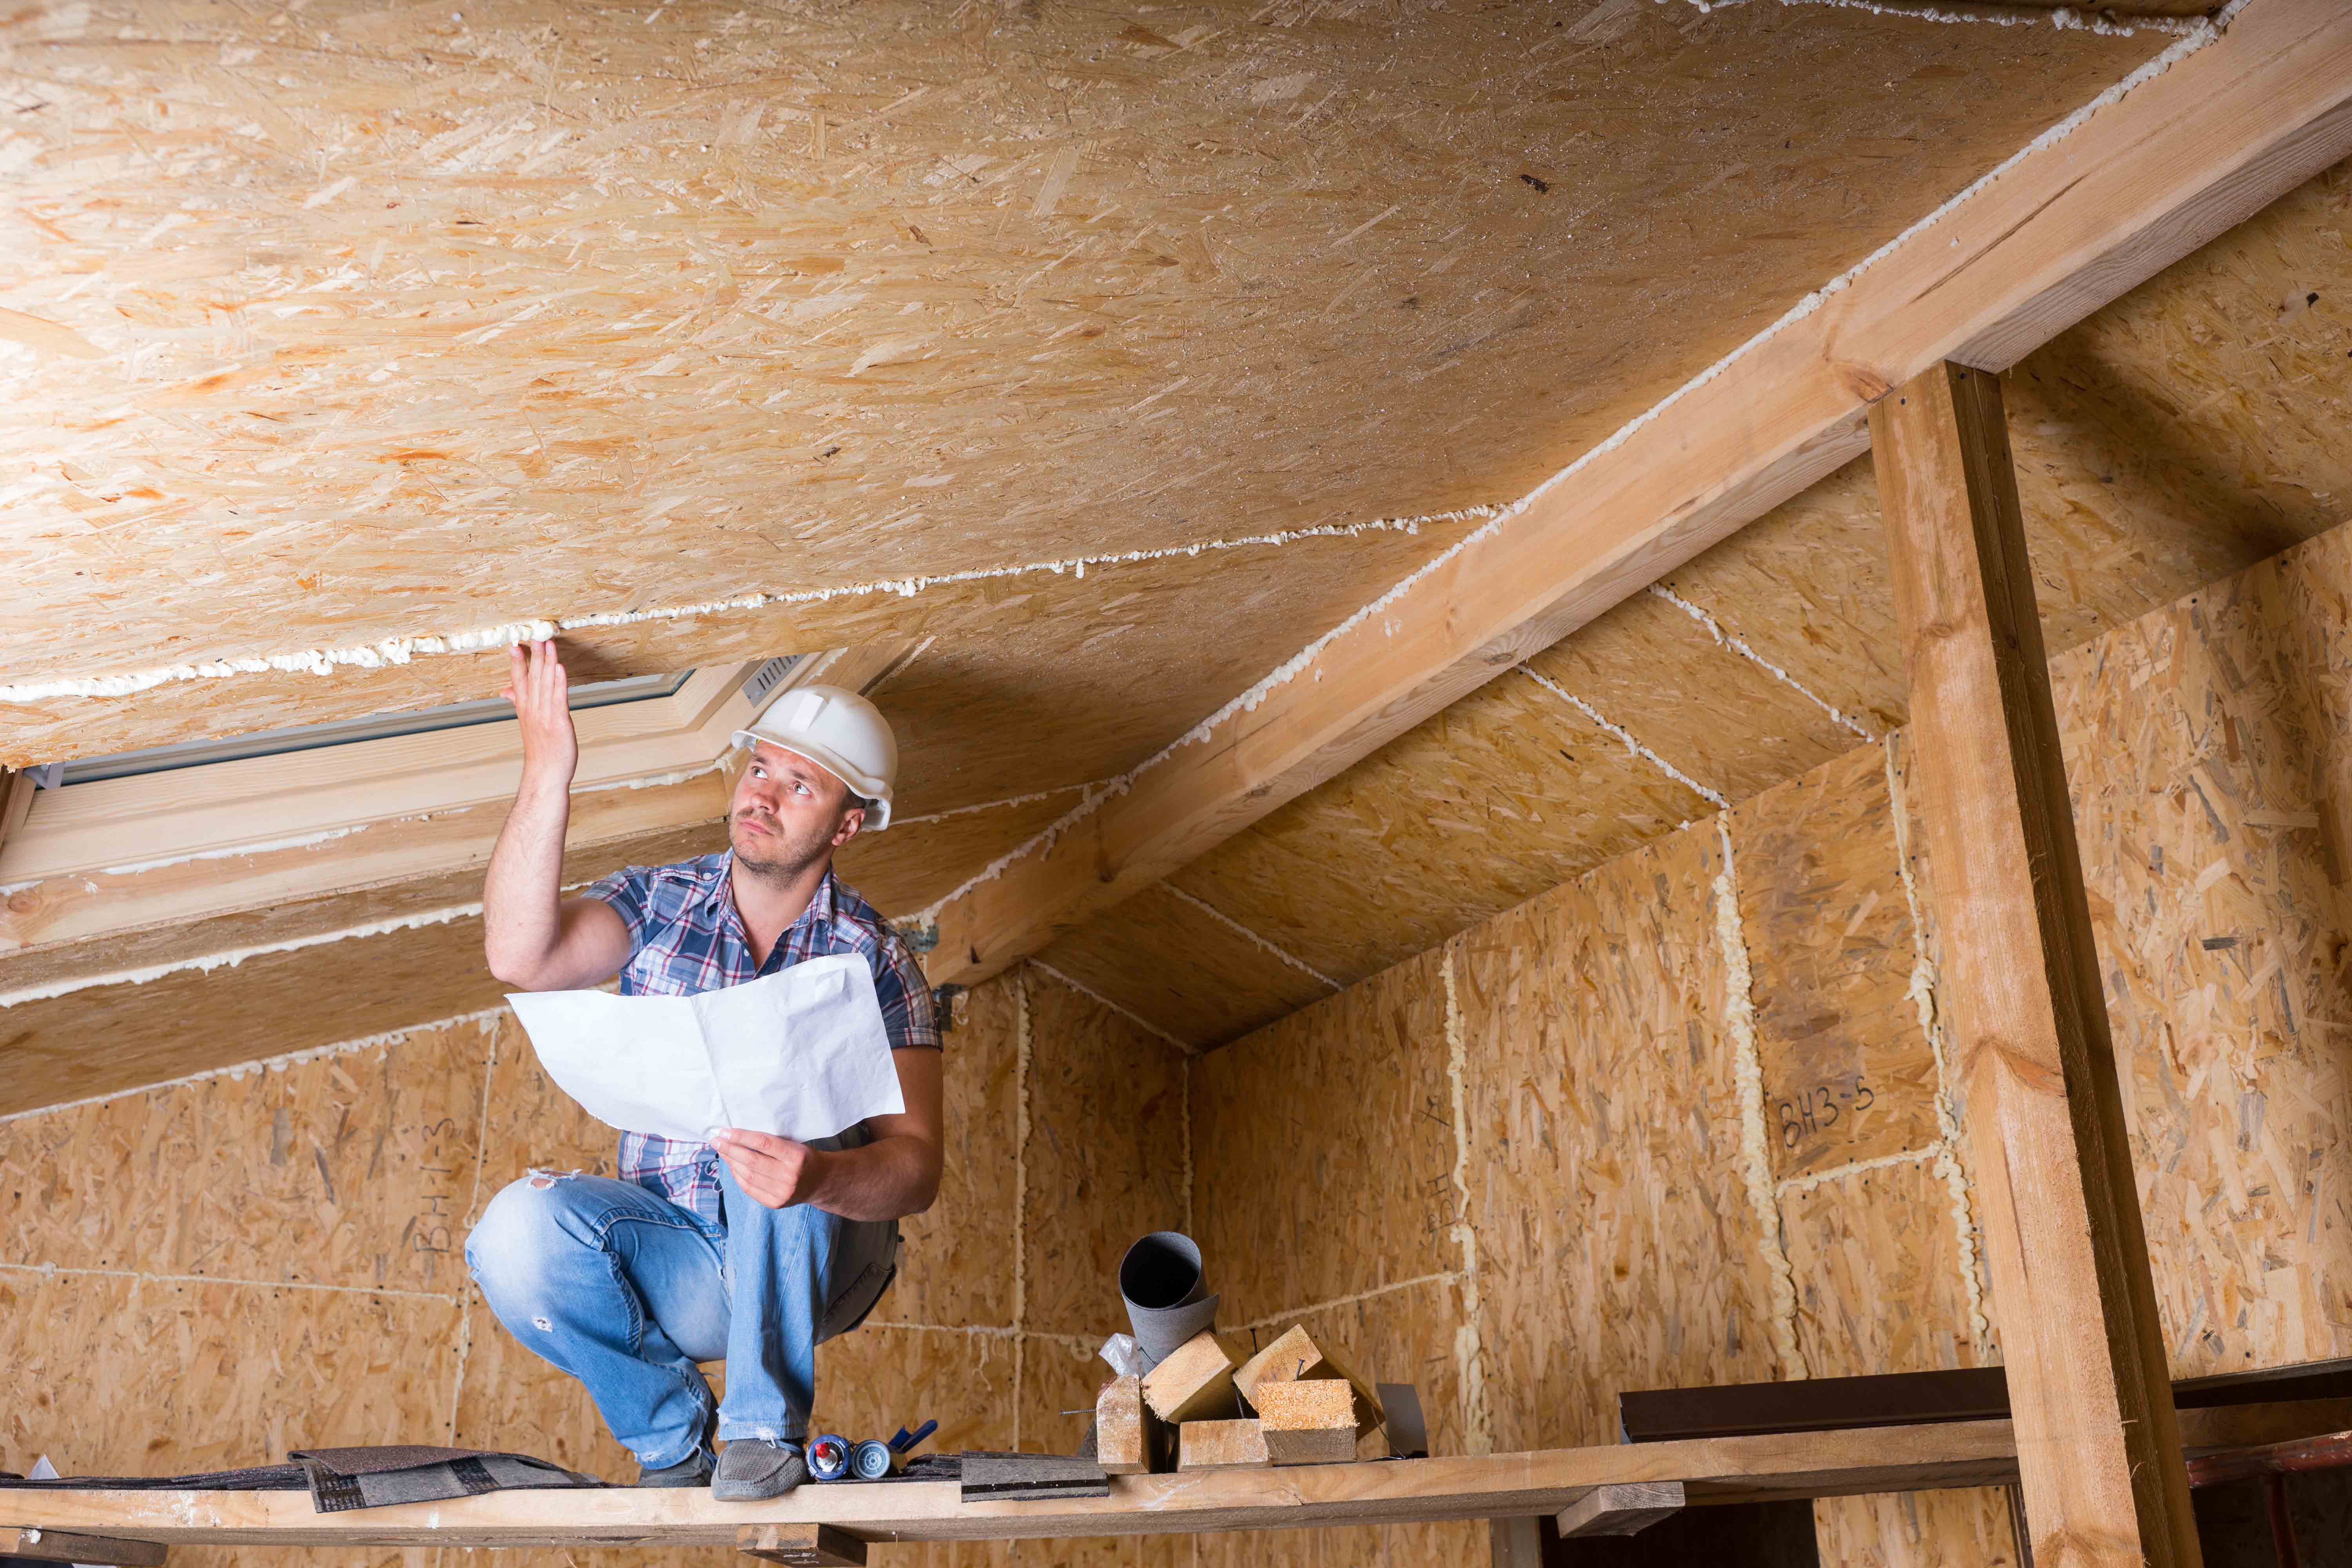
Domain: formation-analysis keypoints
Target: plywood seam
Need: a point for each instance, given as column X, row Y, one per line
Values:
column 401, row 650
column 983, row 1331
column 1967, row 1256
column 1811, row 1179
column 1009, row 801
column 1020, row 1063
column 1130, row 1014
column 1734, row 643
column 1748, row 1071
column 1292, row 1314
column 474, row 1206
column 446, row 1299
column 2064, row 20
column 1227, row 921
column 1184, row 1079
column 269, row 1063
column 1633, row 746
column 1470, row 1368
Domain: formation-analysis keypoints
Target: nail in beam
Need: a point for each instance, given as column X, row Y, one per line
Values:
column 2098, row 1443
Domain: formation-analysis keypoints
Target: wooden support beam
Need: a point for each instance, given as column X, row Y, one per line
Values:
column 1626, row 1508
column 803, row 1545
column 2099, row 1440
column 1387, row 1491
column 1515, row 1543
column 64, row 1546
column 2065, row 229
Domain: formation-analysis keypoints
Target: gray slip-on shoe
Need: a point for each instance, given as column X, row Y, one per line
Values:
column 694, row 1470
column 752, row 1469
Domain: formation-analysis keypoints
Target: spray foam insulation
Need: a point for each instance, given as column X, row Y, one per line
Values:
column 374, row 325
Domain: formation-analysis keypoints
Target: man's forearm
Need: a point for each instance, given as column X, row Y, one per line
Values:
column 889, row 1178
column 522, row 896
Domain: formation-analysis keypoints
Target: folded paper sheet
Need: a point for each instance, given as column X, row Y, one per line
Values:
column 801, row 1052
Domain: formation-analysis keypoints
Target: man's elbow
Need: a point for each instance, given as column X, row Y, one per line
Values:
column 924, row 1193
column 524, row 972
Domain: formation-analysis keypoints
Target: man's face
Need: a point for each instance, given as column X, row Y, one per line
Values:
column 788, row 814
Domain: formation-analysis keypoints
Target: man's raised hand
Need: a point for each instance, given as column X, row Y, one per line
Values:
column 540, row 690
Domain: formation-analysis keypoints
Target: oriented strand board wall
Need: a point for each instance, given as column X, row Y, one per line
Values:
column 1690, row 1117
column 285, row 1242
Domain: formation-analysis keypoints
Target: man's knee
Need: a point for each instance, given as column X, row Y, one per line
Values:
column 532, row 1221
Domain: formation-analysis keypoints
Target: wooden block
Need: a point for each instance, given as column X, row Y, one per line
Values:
column 1294, row 1357
column 1238, row 1445
column 1130, row 1440
column 1621, row 1509
column 806, row 1545
column 1309, row 1422
column 63, row 1546
column 1196, row 1381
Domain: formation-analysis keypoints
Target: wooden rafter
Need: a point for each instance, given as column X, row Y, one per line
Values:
column 2067, row 227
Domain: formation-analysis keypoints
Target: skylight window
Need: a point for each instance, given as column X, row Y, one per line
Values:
column 346, row 731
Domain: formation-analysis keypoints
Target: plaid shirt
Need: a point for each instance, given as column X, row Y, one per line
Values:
column 686, row 938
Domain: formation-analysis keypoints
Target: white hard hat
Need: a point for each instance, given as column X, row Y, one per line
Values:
column 841, row 733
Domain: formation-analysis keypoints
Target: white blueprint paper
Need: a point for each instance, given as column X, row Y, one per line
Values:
column 802, row 1053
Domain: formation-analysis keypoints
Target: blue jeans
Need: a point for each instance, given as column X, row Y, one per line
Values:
column 626, row 1291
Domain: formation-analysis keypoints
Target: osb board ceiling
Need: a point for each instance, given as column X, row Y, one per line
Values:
column 340, row 324
column 2200, row 424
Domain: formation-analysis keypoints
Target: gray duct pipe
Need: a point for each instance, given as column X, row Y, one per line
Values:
column 1159, row 1280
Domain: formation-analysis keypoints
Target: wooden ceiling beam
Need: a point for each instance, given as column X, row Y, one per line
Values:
column 2067, row 227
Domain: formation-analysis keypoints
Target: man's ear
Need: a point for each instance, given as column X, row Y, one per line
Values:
column 851, row 821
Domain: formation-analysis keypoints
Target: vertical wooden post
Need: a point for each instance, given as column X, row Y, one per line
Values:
column 2098, row 1444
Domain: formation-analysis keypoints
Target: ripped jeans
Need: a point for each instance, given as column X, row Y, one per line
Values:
column 626, row 1291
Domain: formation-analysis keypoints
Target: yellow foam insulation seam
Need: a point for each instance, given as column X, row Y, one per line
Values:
column 1922, row 993
column 1470, row 1367
column 1747, row 1072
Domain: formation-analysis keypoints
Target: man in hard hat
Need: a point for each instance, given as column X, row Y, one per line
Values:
column 748, row 1247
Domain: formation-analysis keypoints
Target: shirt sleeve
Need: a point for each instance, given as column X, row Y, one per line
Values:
column 627, row 894
column 907, row 1012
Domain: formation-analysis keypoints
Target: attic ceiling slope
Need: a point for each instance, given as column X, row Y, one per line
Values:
column 347, row 324
column 2202, row 138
